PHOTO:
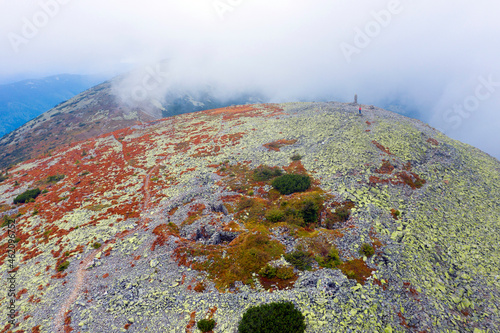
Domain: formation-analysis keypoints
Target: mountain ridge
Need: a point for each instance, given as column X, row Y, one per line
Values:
column 96, row 111
column 24, row 100
column 176, row 210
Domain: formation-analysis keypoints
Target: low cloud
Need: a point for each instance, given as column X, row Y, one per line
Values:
column 424, row 56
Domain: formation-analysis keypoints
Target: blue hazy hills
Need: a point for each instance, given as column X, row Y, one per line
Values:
column 24, row 100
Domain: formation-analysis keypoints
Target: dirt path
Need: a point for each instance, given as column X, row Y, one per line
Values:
column 82, row 268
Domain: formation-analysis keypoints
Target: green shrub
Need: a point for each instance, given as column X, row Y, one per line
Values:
column 299, row 259
column 276, row 317
column 264, row 173
column 268, row 271
column 2, row 178
column 285, row 273
column 296, row 157
column 7, row 221
column 309, row 211
column 245, row 203
column 343, row 213
column 63, row 266
column 332, row 260
column 26, row 196
column 366, row 250
column 206, row 325
column 96, row 245
column 275, row 215
column 54, row 178
column 295, row 220
column 291, row 183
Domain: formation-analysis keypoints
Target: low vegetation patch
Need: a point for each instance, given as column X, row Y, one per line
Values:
column 341, row 213
column 331, row 260
column 54, row 178
column 275, row 215
column 357, row 270
column 276, row 317
column 299, row 259
column 268, row 271
column 291, row 183
column 62, row 266
column 7, row 220
column 27, row 196
column 265, row 173
column 206, row 325
column 366, row 250
column 395, row 213
column 245, row 255
column 276, row 145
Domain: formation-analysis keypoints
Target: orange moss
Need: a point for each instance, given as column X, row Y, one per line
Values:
column 162, row 232
column 356, row 269
column 186, row 171
column 172, row 211
column 200, row 287
column 67, row 322
column 276, row 145
column 296, row 167
column 386, row 168
column 401, row 178
column 382, row 148
column 191, row 324
column 433, row 141
column 411, row 291
column 277, row 283
column 411, row 179
column 21, row 292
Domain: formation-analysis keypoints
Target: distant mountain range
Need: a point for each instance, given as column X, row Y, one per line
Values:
column 29, row 130
column 98, row 111
column 24, row 100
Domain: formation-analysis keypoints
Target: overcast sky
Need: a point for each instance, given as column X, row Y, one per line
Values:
column 441, row 58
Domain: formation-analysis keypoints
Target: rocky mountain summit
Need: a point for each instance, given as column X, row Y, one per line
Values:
column 367, row 223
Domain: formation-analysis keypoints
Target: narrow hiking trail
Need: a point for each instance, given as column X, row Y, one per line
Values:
column 59, row 320
column 81, row 273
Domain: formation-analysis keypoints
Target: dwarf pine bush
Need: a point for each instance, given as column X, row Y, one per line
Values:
column 366, row 250
column 291, row 183
column 299, row 259
column 275, row 215
column 276, row 317
column 206, row 325
column 27, row 196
